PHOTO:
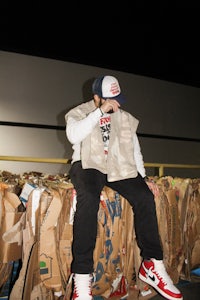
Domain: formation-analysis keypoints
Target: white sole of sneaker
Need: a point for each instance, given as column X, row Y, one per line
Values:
column 151, row 283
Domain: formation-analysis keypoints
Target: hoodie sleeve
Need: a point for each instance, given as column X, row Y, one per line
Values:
column 78, row 130
column 138, row 156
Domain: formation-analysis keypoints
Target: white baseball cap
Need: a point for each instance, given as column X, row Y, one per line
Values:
column 107, row 87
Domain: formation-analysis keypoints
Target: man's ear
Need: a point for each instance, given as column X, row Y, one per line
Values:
column 97, row 100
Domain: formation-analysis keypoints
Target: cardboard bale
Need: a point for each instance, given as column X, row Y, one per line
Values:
column 11, row 214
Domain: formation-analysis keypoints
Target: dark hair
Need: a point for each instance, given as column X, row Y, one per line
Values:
column 97, row 86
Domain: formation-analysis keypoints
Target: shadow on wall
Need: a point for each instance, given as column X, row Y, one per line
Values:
column 61, row 135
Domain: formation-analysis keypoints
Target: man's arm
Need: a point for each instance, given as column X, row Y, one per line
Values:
column 78, row 130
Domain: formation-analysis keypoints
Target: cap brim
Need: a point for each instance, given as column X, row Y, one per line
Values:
column 120, row 98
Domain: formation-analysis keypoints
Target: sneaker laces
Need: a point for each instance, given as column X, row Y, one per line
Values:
column 82, row 284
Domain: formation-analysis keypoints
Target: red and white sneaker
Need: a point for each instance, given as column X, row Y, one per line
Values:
column 153, row 272
column 82, row 287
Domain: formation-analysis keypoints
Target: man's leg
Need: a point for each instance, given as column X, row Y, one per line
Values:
column 88, row 184
column 138, row 194
column 152, row 270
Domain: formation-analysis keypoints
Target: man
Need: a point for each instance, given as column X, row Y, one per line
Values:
column 107, row 153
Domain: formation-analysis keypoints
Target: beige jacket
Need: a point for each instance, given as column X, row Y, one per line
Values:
column 83, row 131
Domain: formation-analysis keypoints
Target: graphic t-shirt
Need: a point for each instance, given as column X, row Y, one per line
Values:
column 105, row 124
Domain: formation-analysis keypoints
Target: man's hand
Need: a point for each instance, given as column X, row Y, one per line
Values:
column 110, row 105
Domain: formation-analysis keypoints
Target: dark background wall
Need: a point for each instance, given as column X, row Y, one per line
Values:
column 35, row 94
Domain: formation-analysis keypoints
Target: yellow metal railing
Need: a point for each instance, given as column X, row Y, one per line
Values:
column 36, row 159
column 160, row 166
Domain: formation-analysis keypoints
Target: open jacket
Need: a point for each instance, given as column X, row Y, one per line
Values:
column 83, row 131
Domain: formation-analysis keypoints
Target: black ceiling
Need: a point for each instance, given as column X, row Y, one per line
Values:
column 165, row 52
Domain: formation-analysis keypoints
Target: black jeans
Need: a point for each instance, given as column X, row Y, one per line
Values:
column 89, row 184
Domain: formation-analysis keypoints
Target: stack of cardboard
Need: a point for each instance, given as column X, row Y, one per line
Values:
column 39, row 232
